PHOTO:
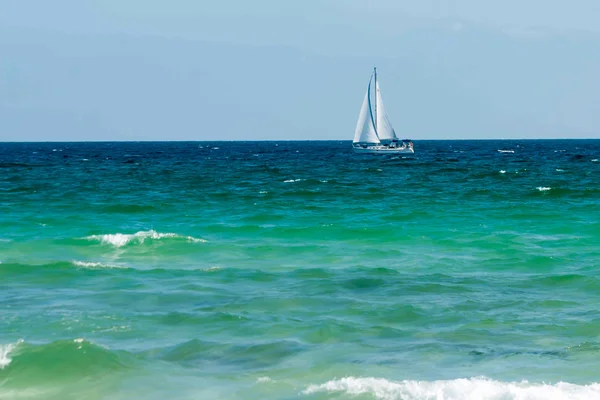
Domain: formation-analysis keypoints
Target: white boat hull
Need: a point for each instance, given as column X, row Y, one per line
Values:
column 383, row 150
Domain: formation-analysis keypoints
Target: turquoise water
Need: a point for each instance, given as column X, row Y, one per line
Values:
column 298, row 270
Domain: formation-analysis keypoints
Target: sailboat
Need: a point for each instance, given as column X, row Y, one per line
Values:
column 374, row 132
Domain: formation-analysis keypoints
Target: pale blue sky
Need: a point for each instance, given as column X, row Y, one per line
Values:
column 268, row 69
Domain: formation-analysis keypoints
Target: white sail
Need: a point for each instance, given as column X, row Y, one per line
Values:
column 385, row 131
column 365, row 130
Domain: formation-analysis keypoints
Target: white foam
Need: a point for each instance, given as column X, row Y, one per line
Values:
column 457, row 389
column 292, row 180
column 5, row 351
column 560, row 170
column 121, row 239
column 264, row 379
column 543, row 188
column 595, row 160
column 502, row 171
column 506, row 151
column 87, row 264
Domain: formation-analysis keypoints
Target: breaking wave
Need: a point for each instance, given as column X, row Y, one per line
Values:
column 5, row 351
column 88, row 264
column 122, row 239
column 457, row 389
column 64, row 359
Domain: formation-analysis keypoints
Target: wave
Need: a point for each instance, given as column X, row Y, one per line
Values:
column 5, row 351
column 88, row 264
column 77, row 268
column 128, row 208
column 198, row 353
column 506, row 151
column 473, row 388
column 122, row 239
column 63, row 359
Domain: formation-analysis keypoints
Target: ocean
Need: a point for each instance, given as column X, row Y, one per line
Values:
column 299, row 270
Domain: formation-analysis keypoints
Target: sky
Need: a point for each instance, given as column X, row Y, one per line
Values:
column 282, row 70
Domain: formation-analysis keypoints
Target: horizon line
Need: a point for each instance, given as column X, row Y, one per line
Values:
column 281, row 140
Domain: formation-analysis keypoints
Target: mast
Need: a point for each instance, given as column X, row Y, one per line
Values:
column 375, row 108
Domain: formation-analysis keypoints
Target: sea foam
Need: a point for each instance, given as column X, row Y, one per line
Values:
column 5, row 351
column 121, row 239
column 457, row 389
column 88, row 264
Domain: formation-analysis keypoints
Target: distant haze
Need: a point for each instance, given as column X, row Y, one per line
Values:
column 283, row 70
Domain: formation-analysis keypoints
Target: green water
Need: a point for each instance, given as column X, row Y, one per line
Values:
column 299, row 270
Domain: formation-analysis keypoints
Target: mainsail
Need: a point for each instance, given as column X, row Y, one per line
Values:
column 373, row 126
column 365, row 130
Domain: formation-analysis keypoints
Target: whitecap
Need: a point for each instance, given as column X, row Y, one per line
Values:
column 5, row 351
column 323, row 181
column 264, row 379
column 595, row 160
column 88, row 264
column 506, row 151
column 264, row 192
column 457, row 389
column 502, row 171
column 560, row 170
column 543, row 188
column 292, row 180
column 121, row 239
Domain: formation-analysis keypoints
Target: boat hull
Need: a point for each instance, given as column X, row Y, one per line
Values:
column 383, row 150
